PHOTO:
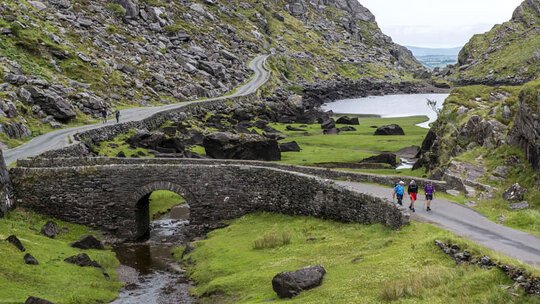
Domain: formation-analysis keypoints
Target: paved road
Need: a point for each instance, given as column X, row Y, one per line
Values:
column 59, row 139
column 468, row 223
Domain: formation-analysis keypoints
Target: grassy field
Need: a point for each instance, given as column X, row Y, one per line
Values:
column 350, row 146
column 162, row 201
column 53, row 279
column 365, row 264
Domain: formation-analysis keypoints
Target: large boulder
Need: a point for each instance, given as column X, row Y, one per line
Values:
column 328, row 124
column 34, row 300
column 30, row 260
column 50, row 229
column 14, row 240
column 15, row 130
column 226, row 145
column 345, row 120
column 145, row 139
column 289, row 147
column 390, row 130
column 82, row 260
column 384, row 158
column 290, row 284
column 515, row 193
column 132, row 9
column 51, row 103
column 88, row 242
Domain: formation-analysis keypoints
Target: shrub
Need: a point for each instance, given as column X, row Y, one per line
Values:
column 116, row 9
column 272, row 240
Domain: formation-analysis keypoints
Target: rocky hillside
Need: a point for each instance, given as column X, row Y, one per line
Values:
column 509, row 54
column 63, row 61
column 481, row 126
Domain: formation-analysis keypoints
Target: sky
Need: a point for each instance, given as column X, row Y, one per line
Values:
column 438, row 23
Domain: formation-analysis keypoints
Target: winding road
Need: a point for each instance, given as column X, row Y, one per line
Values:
column 456, row 218
column 60, row 138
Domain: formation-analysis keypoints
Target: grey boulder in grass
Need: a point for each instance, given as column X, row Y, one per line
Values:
column 290, row 284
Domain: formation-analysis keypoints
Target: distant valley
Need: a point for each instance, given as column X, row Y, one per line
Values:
column 435, row 57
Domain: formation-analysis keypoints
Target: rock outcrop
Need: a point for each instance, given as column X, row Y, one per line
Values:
column 6, row 188
column 225, row 145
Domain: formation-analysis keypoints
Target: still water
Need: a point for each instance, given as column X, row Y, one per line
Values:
column 389, row 106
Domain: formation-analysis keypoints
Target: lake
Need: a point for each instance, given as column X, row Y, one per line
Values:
column 389, row 106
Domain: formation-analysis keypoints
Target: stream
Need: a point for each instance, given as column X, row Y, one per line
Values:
column 150, row 272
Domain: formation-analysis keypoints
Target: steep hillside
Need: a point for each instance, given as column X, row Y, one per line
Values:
column 64, row 61
column 487, row 136
column 509, row 54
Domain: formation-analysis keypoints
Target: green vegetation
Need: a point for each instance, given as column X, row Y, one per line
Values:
column 116, row 9
column 350, row 146
column 53, row 279
column 112, row 148
column 162, row 201
column 272, row 239
column 365, row 264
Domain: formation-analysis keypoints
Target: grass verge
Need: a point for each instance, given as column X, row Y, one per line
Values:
column 53, row 279
column 365, row 264
column 162, row 201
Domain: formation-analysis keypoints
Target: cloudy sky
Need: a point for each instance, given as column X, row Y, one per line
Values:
column 438, row 23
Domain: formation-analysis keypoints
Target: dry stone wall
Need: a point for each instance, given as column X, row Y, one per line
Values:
column 6, row 189
column 108, row 196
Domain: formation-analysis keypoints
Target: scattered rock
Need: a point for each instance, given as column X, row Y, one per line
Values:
column 390, row 130
column 38, row 5
column 515, row 193
column 347, row 129
column 290, row 284
column 30, row 260
column 291, row 128
column 290, row 147
column 519, row 206
column 344, row 120
column 83, row 260
column 50, row 229
column 332, row 131
column 14, row 240
column 88, row 242
column 34, row 300
column 328, row 124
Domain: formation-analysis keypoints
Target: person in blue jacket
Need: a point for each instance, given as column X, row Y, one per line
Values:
column 399, row 190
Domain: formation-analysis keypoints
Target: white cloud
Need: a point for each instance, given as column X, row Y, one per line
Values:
column 438, row 23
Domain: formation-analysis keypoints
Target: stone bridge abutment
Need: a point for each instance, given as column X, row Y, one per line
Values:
column 107, row 194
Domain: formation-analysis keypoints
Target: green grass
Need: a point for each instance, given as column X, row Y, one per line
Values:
column 111, row 148
column 365, row 264
column 350, row 146
column 162, row 201
column 53, row 279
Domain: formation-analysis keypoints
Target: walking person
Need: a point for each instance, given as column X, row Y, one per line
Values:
column 117, row 115
column 412, row 190
column 429, row 189
column 104, row 115
column 399, row 190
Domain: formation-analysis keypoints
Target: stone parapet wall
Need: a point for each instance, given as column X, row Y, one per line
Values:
column 107, row 196
column 389, row 180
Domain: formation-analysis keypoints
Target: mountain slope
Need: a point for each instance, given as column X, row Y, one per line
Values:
column 509, row 54
column 64, row 61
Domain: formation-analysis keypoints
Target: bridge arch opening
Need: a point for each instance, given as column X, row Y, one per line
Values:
column 158, row 208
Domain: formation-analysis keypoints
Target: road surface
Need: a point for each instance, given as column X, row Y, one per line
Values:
column 60, row 138
column 468, row 223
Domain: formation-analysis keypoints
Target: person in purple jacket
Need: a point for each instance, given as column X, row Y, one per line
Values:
column 429, row 189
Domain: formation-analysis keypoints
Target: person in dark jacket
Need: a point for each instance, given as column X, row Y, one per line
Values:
column 412, row 190
column 429, row 189
column 117, row 115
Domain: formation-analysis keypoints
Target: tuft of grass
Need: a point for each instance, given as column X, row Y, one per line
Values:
column 272, row 240
column 362, row 261
column 53, row 279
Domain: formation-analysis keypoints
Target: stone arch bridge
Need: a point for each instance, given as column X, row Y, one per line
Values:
column 112, row 194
